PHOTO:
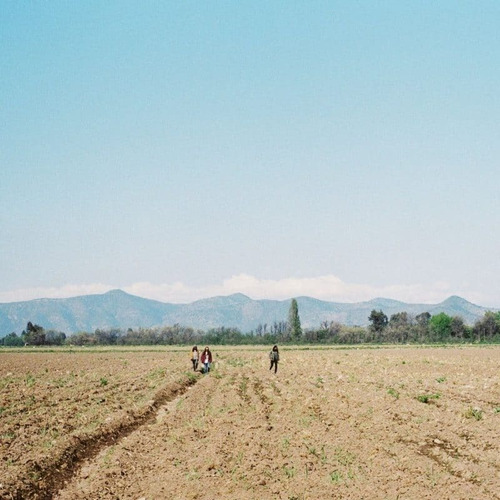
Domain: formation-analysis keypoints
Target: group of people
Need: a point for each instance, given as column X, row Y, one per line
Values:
column 206, row 358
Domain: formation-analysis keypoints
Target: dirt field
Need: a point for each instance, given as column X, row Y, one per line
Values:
column 407, row 423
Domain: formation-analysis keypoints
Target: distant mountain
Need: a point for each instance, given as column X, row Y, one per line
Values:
column 122, row 310
column 85, row 313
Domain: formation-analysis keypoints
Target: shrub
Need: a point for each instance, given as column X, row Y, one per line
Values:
column 426, row 398
column 475, row 413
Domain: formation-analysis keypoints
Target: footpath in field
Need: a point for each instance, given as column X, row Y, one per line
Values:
column 353, row 424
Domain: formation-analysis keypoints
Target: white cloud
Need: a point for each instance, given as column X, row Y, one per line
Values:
column 53, row 292
column 329, row 288
column 332, row 288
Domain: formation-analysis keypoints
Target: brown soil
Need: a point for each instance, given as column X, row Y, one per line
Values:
column 386, row 423
column 59, row 407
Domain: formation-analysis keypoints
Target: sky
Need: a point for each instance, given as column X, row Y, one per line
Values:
column 177, row 150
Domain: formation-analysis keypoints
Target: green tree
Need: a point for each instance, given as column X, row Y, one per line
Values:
column 440, row 326
column 52, row 337
column 399, row 327
column 458, row 329
column 294, row 322
column 34, row 334
column 12, row 340
column 378, row 321
column 488, row 326
column 421, row 330
column 399, row 319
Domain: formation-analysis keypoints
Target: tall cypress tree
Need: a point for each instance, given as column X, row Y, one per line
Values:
column 294, row 322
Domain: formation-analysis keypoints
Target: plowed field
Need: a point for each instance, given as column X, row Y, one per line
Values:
column 407, row 423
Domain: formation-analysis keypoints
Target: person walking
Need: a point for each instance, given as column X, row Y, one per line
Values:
column 206, row 359
column 274, row 356
column 195, row 356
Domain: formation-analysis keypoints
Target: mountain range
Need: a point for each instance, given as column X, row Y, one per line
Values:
column 122, row 310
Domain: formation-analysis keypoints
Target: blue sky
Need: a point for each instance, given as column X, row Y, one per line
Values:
column 177, row 150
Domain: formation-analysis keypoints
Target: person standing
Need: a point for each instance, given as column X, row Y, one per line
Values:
column 195, row 355
column 206, row 359
column 274, row 356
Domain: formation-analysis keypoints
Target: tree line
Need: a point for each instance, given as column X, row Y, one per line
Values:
column 399, row 328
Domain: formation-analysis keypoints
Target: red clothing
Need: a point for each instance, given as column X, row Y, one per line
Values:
column 206, row 357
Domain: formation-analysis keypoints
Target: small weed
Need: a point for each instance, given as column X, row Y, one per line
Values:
column 307, row 420
column 496, row 410
column 103, row 381
column 344, row 457
column 5, row 382
column 433, row 476
column 312, row 450
column 190, row 376
column 107, row 457
column 35, row 476
column 425, row 398
column 440, row 380
column 30, row 400
column 43, row 430
column 289, row 471
column 193, row 475
column 29, row 380
column 475, row 413
column 60, row 382
column 236, row 362
column 323, row 456
column 243, row 385
column 319, row 382
column 473, row 478
column 285, row 443
column 198, row 423
column 335, row 476
column 157, row 373
column 48, row 444
column 393, row 392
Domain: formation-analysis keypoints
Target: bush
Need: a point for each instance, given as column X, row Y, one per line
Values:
column 12, row 340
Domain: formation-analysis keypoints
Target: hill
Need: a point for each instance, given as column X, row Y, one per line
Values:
column 122, row 310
